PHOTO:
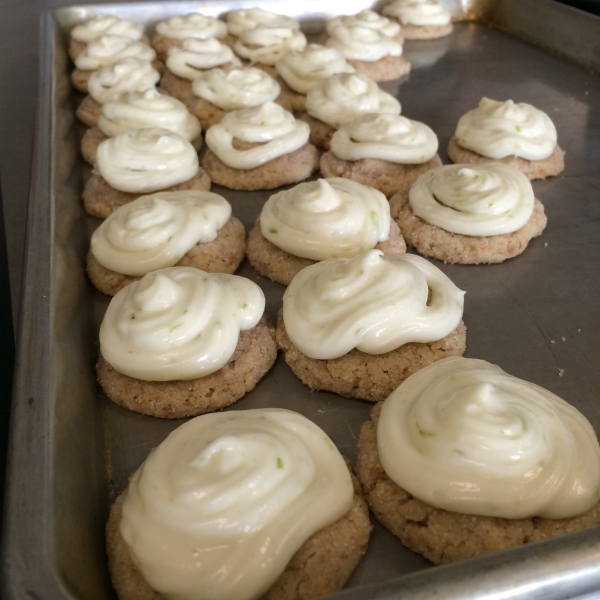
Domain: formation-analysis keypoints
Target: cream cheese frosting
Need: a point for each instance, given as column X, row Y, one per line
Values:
column 276, row 129
column 178, row 323
column 139, row 110
column 146, row 160
column 266, row 45
column 108, row 49
column 197, row 56
column 372, row 302
column 362, row 43
column 126, row 75
column 327, row 218
column 478, row 441
column 418, row 12
column 245, row 19
column 303, row 69
column 344, row 96
column 234, row 88
column 478, row 200
column 500, row 129
column 221, row 506
column 99, row 25
column 156, row 231
column 386, row 137
column 366, row 18
column 192, row 25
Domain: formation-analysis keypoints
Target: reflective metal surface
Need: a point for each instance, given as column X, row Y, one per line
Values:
column 536, row 316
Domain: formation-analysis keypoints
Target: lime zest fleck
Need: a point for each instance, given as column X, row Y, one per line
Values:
column 279, row 463
column 273, row 230
column 175, row 327
column 424, row 432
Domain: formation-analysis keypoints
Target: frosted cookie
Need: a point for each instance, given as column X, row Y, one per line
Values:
column 259, row 149
column 317, row 220
column 91, row 29
column 360, row 326
column 220, row 91
column 519, row 135
column 141, row 110
column 264, row 45
column 191, row 59
column 420, row 19
column 167, row 229
column 368, row 50
column 470, row 214
column 245, row 19
column 464, row 459
column 105, row 51
column 386, row 152
column 263, row 495
column 141, row 161
column 368, row 18
column 172, row 32
column 341, row 98
column 301, row 70
column 182, row 342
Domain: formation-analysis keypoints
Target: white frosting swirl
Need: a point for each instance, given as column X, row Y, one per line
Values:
column 192, row 25
column 387, row 137
column 178, row 323
column 221, row 506
column 366, row 18
column 479, row 200
column 327, row 218
column 276, row 129
column 234, row 88
column 500, row 129
column 154, row 232
column 146, row 160
column 266, row 45
column 244, row 19
column 362, row 43
column 126, row 75
column 303, row 69
column 140, row 110
column 372, row 302
column 197, row 56
column 99, row 25
column 108, row 49
column 344, row 96
column 418, row 12
column 475, row 440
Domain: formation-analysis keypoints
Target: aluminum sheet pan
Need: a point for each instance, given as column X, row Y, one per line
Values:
column 537, row 316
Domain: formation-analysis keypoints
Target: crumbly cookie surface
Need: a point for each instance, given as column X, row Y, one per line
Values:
column 425, row 32
column 281, row 266
column 366, row 376
column 320, row 132
column 89, row 111
column 532, row 169
column 253, row 357
column 435, row 242
column 223, row 255
column 322, row 565
column 384, row 69
column 176, row 86
column 439, row 535
column 383, row 175
column 101, row 200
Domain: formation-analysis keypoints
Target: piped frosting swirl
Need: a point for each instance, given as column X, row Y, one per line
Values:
column 418, row 12
column 245, row 19
column 266, row 45
column 366, row 18
column 109, row 49
column 192, row 25
column 197, row 56
column 99, row 25
column 362, row 43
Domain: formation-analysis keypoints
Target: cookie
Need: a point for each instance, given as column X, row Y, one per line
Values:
column 384, row 69
column 320, row 133
column 426, row 32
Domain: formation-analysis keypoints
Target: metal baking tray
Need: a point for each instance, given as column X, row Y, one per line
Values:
column 537, row 316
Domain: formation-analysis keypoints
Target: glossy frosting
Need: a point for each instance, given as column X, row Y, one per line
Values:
column 244, row 19
column 126, row 75
column 234, row 88
column 197, row 56
column 418, row 12
column 386, row 137
column 108, row 49
column 366, row 18
column 220, row 507
column 99, row 25
column 266, row 45
column 327, row 218
column 192, row 25
column 500, row 129
column 344, row 96
column 146, row 160
column 276, row 129
column 372, row 302
column 478, row 200
column 178, row 323
column 476, row 440
column 156, row 231
column 362, row 43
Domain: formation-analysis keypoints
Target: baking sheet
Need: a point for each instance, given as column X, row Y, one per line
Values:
column 536, row 316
